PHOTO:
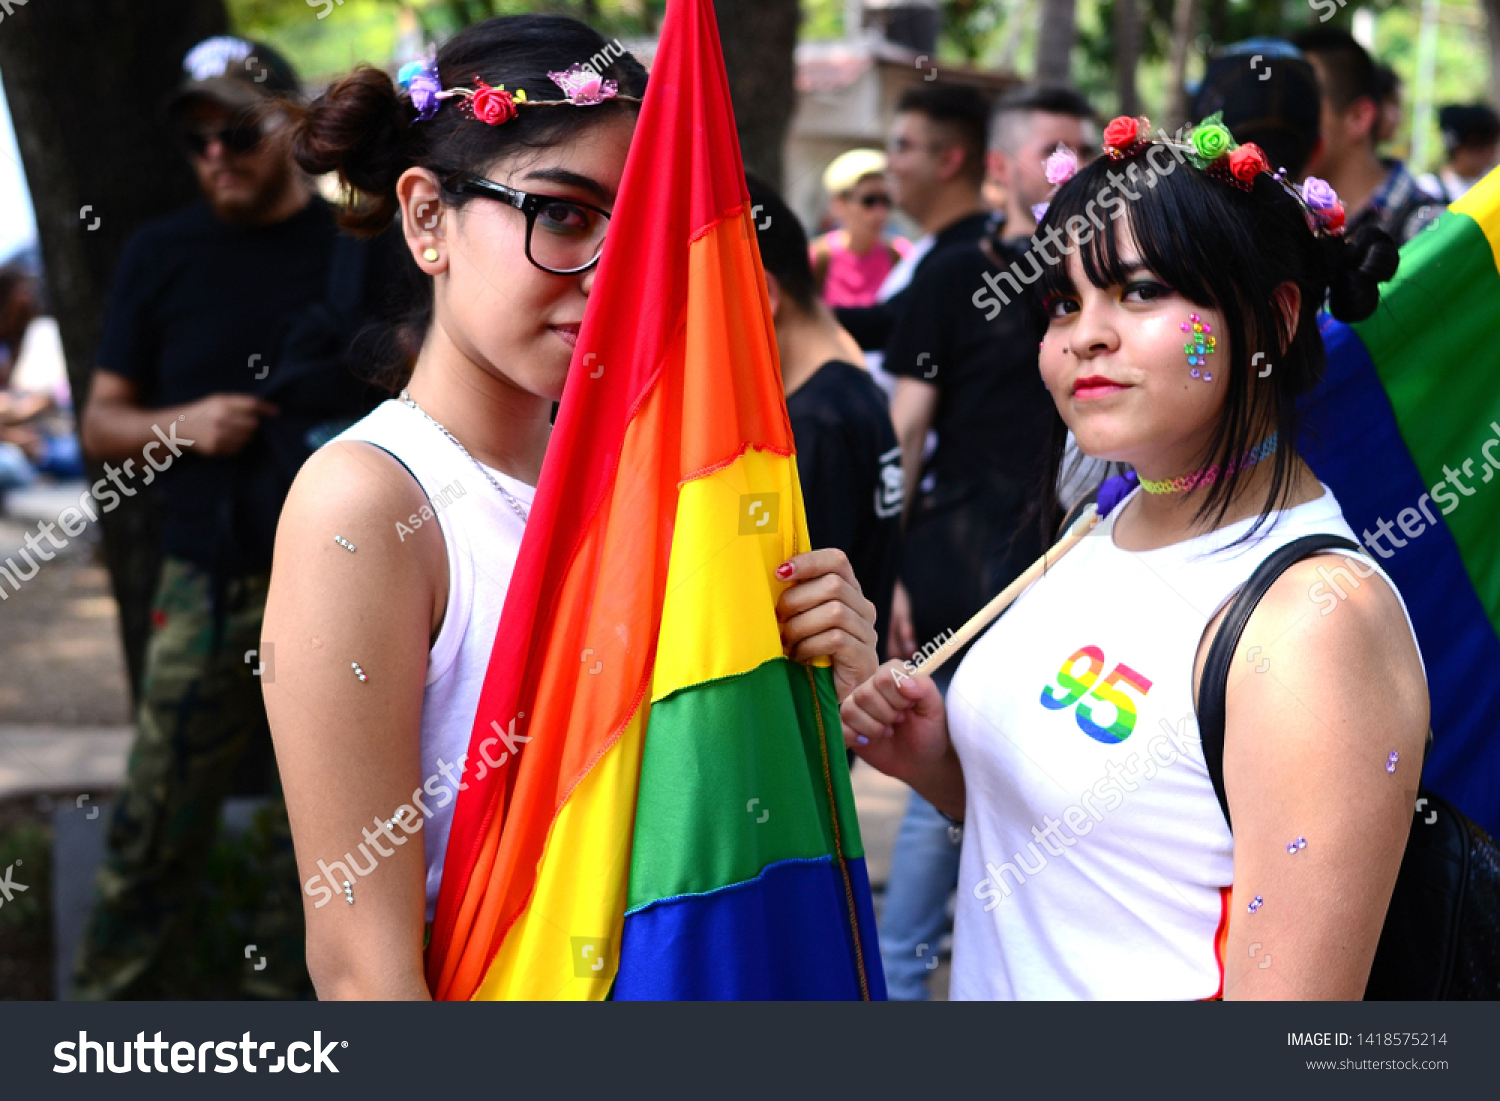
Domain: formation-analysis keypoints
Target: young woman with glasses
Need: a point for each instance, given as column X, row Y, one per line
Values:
column 396, row 546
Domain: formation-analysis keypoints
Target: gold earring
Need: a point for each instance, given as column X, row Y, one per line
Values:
column 430, row 255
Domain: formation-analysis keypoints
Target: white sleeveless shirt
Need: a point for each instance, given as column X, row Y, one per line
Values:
column 1096, row 862
column 481, row 537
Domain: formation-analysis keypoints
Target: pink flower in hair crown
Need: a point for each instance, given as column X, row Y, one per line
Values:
column 1061, row 166
column 583, row 87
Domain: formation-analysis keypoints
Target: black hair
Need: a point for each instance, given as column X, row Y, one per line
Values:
column 961, row 108
column 1468, row 124
column 365, row 129
column 1347, row 68
column 1226, row 249
column 783, row 243
column 1385, row 82
column 1047, row 99
column 1274, row 105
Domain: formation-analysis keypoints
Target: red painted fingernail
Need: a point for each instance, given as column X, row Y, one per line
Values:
column 784, row 570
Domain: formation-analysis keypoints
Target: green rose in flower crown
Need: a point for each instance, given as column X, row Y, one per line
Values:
column 1210, row 140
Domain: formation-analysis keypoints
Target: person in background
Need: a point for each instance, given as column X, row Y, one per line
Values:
column 934, row 170
column 969, row 373
column 1374, row 190
column 1388, row 95
column 1470, row 133
column 851, row 262
column 1268, row 94
column 212, row 308
column 847, row 460
column 21, row 447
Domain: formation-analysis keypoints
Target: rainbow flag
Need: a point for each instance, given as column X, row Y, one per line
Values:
column 680, row 823
column 1405, row 428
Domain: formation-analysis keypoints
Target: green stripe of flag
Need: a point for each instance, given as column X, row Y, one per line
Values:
column 1435, row 342
column 732, row 779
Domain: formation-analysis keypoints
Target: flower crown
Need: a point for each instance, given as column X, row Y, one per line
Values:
column 1211, row 148
column 582, row 87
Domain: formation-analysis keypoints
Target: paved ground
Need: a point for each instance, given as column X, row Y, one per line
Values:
column 64, row 714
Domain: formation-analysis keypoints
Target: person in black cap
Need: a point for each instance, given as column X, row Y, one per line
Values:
column 1374, row 190
column 223, row 362
column 1470, row 133
column 1269, row 95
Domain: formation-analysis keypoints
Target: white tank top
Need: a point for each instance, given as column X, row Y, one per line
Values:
column 473, row 518
column 1096, row 862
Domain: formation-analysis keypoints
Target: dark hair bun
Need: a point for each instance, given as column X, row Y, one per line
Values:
column 358, row 128
column 1360, row 263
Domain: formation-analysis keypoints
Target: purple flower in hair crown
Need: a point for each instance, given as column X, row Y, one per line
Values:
column 420, row 79
column 1318, row 195
column 583, row 87
column 1324, row 207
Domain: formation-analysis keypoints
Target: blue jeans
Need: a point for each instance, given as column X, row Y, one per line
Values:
column 924, row 872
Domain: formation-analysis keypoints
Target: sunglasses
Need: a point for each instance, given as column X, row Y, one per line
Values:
column 870, row 202
column 239, row 137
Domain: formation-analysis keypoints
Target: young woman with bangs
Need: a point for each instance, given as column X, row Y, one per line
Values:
column 1096, row 860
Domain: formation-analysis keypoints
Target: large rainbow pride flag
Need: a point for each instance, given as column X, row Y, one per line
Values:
column 1405, row 429
column 680, row 824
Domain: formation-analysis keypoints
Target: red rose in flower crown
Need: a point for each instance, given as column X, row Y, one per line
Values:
column 1247, row 162
column 491, row 105
column 1333, row 218
column 1121, row 134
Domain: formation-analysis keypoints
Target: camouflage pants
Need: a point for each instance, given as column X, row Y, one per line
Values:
column 178, row 906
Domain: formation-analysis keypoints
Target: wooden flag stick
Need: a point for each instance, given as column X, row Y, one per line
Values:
column 986, row 615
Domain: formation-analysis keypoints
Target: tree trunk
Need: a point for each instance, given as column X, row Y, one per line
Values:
column 1492, row 31
column 760, row 41
column 1127, row 55
column 1184, row 22
column 1015, row 27
column 85, row 90
column 1054, row 44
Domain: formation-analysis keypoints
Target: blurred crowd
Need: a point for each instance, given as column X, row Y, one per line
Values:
column 919, row 420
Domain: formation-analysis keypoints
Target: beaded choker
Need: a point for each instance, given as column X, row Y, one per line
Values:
column 1210, row 474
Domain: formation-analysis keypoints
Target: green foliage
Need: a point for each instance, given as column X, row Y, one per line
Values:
column 325, row 37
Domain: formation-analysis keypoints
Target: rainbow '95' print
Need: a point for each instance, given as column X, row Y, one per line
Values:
column 1073, row 684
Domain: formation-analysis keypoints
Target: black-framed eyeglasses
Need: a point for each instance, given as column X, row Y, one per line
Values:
column 238, row 137
column 873, row 200
column 571, row 233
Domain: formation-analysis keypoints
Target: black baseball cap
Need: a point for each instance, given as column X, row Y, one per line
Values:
column 1268, row 92
column 235, row 73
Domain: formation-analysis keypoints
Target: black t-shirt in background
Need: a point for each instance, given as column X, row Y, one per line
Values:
column 871, row 326
column 199, row 306
column 850, row 469
column 971, row 533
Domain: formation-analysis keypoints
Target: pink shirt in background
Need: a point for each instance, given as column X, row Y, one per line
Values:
column 853, row 280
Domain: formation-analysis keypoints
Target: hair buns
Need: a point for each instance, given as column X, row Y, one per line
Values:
column 1359, row 263
column 358, row 128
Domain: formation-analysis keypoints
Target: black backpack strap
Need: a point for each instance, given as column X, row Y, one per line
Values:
column 1215, row 684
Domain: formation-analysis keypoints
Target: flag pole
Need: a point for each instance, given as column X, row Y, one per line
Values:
column 986, row 615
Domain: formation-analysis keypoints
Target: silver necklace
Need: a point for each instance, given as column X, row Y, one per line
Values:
column 519, row 509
